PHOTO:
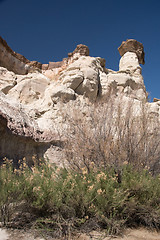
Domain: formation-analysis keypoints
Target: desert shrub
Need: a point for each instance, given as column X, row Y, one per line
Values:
column 111, row 180
column 10, row 189
column 65, row 198
column 112, row 134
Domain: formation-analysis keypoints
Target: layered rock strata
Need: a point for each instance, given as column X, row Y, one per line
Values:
column 20, row 134
column 15, row 62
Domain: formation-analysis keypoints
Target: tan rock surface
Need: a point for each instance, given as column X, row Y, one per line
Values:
column 33, row 104
column 83, row 76
column 20, row 135
column 14, row 61
column 7, row 80
column 30, row 88
column 33, row 108
column 83, row 50
column 131, row 45
column 129, row 62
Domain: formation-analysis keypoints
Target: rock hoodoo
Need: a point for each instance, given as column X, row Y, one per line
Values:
column 32, row 99
column 131, row 45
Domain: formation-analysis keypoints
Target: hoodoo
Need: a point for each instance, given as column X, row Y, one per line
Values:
column 34, row 97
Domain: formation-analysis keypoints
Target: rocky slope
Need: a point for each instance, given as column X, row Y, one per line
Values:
column 33, row 96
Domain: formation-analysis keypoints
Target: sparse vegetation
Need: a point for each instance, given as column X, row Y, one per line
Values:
column 112, row 179
column 113, row 134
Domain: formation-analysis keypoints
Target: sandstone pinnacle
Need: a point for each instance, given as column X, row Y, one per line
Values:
column 132, row 45
column 83, row 50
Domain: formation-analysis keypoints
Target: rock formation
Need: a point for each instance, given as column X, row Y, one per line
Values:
column 20, row 134
column 81, row 50
column 131, row 45
column 15, row 62
column 32, row 98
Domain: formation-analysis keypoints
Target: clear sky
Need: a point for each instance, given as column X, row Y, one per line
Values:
column 47, row 30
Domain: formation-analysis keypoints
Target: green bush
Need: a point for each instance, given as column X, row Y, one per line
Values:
column 81, row 196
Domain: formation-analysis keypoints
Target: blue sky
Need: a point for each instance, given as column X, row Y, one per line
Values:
column 47, row 30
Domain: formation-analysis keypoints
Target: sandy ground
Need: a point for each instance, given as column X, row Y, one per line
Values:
column 138, row 234
column 17, row 235
column 129, row 234
column 3, row 234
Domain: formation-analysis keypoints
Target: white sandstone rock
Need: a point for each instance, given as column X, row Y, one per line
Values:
column 123, row 82
column 154, row 109
column 72, row 79
column 7, row 80
column 30, row 88
column 42, row 103
column 83, row 76
column 89, row 86
column 60, row 93
column 129, row 62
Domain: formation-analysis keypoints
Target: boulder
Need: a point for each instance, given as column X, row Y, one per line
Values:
column 30, row 88
column 83, row 76
column 81, row 49
column 131, row 45
column 72, row 79
column 60, row 93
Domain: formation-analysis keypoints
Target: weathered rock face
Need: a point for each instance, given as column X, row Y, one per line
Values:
column 131, row 45
column 60, row 93
column 15, row 62
column 129, row 63
column 7, row 80
column 20, row 134
column 32, row 105
column 81, row 49
column 83, row 76
column 29, row 88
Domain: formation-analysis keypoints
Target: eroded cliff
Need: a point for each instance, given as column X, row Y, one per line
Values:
column 33, row 97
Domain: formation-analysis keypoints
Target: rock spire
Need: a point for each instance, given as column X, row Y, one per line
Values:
column 132, row 45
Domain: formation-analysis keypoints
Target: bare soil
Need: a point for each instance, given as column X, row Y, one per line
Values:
column 129, row 234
